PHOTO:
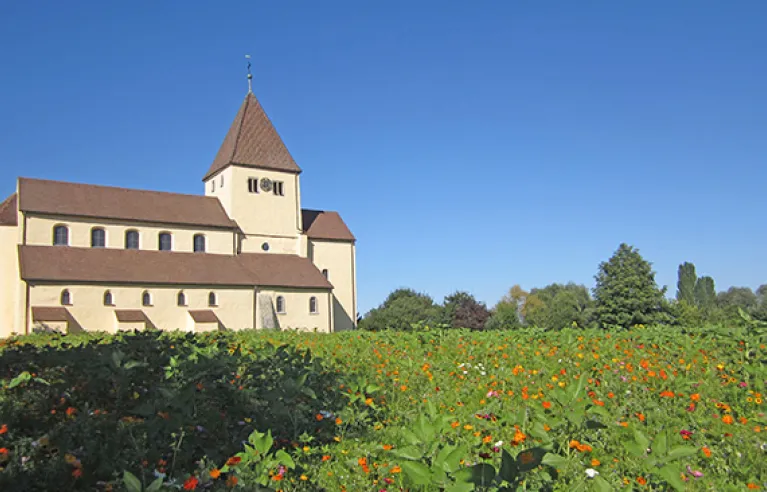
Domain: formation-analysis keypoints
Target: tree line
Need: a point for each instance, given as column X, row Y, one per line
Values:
column 625, row 295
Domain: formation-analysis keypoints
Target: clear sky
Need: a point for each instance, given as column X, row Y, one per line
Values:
column 468, row 145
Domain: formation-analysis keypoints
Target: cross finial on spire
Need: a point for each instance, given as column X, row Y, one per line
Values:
column 250, row 76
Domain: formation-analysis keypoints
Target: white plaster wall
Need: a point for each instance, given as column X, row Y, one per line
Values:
column 339, row 259
column 297, row 315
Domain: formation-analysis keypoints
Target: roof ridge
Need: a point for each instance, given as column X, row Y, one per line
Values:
column 57, row 181
column 239, row 127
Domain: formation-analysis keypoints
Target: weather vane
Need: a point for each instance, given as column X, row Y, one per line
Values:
column 250, row 75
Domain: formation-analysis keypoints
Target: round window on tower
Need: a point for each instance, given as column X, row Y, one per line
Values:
column 265, row 246
column 266, row 185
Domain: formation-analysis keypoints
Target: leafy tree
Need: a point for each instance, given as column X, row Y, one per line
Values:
column 626, row 293
column 505, row 316
column 401, row 309
column 705, row 293
column 739, row 297
column 760, row 312
column 462, row 310
column 559, row 306
column 686, row 283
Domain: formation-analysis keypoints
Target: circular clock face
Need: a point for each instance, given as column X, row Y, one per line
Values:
column 266, row 184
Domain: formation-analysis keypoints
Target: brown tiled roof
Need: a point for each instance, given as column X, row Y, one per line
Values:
column 9, row 211
column 53, row 313
column 319, row 224
column 203, row 316
column 84, row 200
column 276, row 270
column 111, row 265
column 130, row 316
column 252, row 141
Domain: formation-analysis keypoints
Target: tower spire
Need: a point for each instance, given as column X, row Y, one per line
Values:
column 250, row 76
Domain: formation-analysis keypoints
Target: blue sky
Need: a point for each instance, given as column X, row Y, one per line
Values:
column 468, row 145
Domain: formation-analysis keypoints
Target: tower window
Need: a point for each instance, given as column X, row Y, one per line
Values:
column 325, row 273
column 313, row 305
column 165, row 241
column 108, row 300
column 277, row 187
column 66, row 298
column 61, row 235
column 146, row 299
column 131, row 239
column 212, row 301
column 98, row 237
column 199, row 243
column 252, row 185
column 280, row 304
column 181, row 298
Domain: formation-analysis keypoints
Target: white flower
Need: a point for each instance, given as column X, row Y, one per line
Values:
column 499, row 444
column 591, row 473
column 483, row 373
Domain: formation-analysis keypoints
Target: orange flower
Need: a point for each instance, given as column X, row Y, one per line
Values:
column 595, row 462
column 455, row 424
column 215, row 473
column 339, row 421
column 727, row 419
column 368, row 401
column 191, row 483
column 623, row 424
column 585, row 448
column 574, row 444
column 231, row 481
column 641, row 481
column 487, row 439
column 233, row 461
column 77, row 472
column 362, row 461
column 71, row 411
column 641, row 417
column 326, row 457
column 4, row 429
column 706, row 451
column 319, row 417
column 387, row 447
column 396, row 469
column 277, row 477
column 695, row 397
column 546, row 404
column 3, row 452
column 667, row 394
column 753, row 486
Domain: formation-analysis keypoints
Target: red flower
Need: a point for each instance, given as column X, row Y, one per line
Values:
column 191, row 483
column 4, row 429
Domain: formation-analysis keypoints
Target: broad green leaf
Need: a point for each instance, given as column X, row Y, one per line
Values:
column 530, row 459
column 597, row 410
column 554, row 460
column 285, row 459
column 460, row 487
column 509, row 470
column 641, row 439
column 659, row 445
column 132, row 483
column 539, row 431
column 408, row 452
column 599, row 484
column 681, row 452
column 482, row 474
column 671, row 475
column 417, row 472
column 634, row 448
column 21, row 378
column 155, row 486
column 408, row 435
column 453, row 460
column 595, row 424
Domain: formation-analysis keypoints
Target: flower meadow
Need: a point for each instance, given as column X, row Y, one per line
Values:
column 650, row 408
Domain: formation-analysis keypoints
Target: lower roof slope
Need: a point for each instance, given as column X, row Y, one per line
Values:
column 322, row 224
column 111, row 265
column 9, row 211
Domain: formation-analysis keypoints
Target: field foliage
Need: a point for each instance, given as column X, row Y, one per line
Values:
column 646, row 408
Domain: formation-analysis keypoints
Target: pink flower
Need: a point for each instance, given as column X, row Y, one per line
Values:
column 492, row 393
column 696, row 473
column 685, row 433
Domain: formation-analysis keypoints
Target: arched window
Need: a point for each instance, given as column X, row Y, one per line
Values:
column 61, row 235
column 212, row 299
column 199, row 243
column 325, row 272
column 280, row 304
column 108, row 301
column 98, row 237
column 313, row 305
column 181, row 298
column 146, row 299
column 131, row 239
column 165, row 241
column 66, row 298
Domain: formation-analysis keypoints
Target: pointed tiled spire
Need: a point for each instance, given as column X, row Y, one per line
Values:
column 252, row 141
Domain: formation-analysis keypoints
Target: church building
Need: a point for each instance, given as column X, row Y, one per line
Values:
column 81, row 257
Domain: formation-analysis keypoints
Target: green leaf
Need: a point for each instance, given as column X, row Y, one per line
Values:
column 634, row 449
column 408, row 435
column 554, row 460
column 530, row 459
column 482, row 474
column 21, row 378
column 598, row 410
column 423, row 429
column 660, row 445
column 131, row 482
column 285, row 459
column 509, row 470
column 453, row 460
column 595, row 424
column 408, row 452
column 155, row 486
column 417, row 472
column 681, row 452
column 599, row 484
column 672, row 476
column 539, row 431
column 641, row 439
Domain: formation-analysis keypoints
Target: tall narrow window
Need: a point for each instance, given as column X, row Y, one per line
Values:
column 213, row 185
column 313, row 305
column 221, row 185
column 325, row 273
column 66, row 298
column 212, row 299
column 108, row 301
column 199, row 243
column 146, row 299
column 252, row 185
column 181, row 298
column 165, row 241
column 131, row 239
column 61, row 235
column 280, row 304
column 98, row 237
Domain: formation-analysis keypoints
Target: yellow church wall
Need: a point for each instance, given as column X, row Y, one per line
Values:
column 39, row 231
column 338, row 258
column 234, row 305
column 264, row 212
column 296, row 315
column 9, row 280
column 254, row 243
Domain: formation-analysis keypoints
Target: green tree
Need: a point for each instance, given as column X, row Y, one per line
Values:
column 686, row 283
column 401, row 309
column 559, row 306
column 505, row 316
column 738, row 297
column 705, row 293
column 760, row 312
column 462, row 310
column 626, row 293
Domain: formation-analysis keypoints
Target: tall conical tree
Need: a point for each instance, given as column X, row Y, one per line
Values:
column 626, row 293
column 685, row 286
column 705, row 293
